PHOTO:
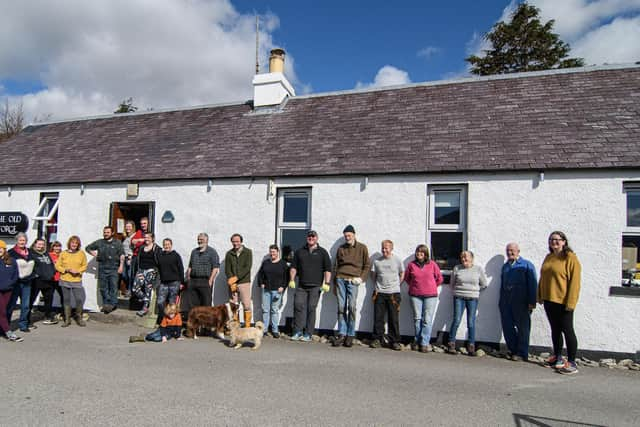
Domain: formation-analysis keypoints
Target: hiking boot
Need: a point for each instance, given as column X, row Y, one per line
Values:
column 471, row 350
column 426, row 348
column 338, row 341
column 569, row 368
column 396, row 346
column 67, row 316
column 451, row 348
column 79, row 318
column 375, row 344
column 348, row 341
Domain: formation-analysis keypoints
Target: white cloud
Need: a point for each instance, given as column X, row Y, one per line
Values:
column 387, row 76
column 428, row 52
column 92, row 55
column 617, row 42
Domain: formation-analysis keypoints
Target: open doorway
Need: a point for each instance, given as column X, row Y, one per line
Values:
column 134, row 211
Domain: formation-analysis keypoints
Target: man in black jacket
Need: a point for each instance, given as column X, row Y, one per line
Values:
column 110, row 256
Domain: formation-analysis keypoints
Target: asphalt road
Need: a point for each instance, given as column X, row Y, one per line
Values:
column 93, row 376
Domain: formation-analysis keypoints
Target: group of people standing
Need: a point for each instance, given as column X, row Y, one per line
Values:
column 309, row 272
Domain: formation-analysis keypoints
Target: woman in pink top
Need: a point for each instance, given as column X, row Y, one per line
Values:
column 423, row 277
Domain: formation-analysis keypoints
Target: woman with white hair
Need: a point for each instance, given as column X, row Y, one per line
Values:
column 22, row 288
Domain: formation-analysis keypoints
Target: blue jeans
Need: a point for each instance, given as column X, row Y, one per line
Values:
column 22, row 290
column 271, row 304
column 424, row 309
column 459, row 305
column 347, row 296
column 108, row 279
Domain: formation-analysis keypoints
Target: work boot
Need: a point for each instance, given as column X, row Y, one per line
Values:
column 348, row 341
column 338, row 341
column 471, row 349
column 67, row 316
column 247, row 319
column 79, row 320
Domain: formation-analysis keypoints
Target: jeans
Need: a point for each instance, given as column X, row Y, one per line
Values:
column 389, row 305
column 459, row 305
column 108, row 279
column 271, row 304
column 516, row 326
column 22, row 290
column 347, row 293
column 424, row 308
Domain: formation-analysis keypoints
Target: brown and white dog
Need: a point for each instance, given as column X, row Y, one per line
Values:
column 239, row 336
column 211, row 318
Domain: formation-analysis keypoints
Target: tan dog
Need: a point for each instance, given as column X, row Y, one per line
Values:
column 239, row 336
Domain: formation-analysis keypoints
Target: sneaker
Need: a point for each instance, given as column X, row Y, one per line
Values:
column 551, row 362
column 25, row 330
column 32, row 326
column 306, row 338
column 142, row 312
column 338, row 341
column 11, row 336
column 396, row 346
column 375, row 344
column 569, row 368
column 348, row 341
column 296, row 337
column 559, row 363
column 49, row 322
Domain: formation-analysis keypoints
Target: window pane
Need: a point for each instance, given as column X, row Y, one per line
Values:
column 446, row 248
column 447, row 207
column 292, row 239
column 296, row 208
column 633, row 208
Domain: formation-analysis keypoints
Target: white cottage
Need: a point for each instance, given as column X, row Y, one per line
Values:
column 471, row 163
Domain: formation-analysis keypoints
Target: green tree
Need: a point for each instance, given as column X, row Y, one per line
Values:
column 524, row 44
column 126, row 106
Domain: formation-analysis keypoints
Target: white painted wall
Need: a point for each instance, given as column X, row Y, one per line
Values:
column 589, row 207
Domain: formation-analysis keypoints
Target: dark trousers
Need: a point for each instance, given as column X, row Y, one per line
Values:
column 45, row 287
column 200, row 291
column 561, row 322
column 304, row 309
column 386, row 305
column 108, row 280
column 516, row 326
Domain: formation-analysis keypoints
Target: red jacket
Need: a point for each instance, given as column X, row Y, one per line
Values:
column 423, row 281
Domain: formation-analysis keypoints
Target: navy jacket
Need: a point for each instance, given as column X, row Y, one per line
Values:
column 8, row 275
column 519, row 283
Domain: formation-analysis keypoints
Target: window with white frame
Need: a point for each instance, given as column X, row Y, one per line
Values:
column 46, row 217
column 631, row 236
column 447, row 232
column 294, row 218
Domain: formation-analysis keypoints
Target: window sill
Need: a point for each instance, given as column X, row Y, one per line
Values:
column 624, row 291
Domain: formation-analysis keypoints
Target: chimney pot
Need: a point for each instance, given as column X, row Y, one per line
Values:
column 276, row 61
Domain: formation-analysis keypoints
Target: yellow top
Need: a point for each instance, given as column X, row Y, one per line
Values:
column 71, row 261
column 560, row 280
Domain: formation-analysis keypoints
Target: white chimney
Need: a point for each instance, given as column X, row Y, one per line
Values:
column 272, row 88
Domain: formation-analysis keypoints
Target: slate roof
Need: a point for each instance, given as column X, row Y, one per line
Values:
column 578, row 119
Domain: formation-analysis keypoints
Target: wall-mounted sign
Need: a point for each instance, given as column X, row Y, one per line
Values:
column 12, row 223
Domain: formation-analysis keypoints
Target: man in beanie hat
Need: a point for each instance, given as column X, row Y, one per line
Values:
column 351, row 270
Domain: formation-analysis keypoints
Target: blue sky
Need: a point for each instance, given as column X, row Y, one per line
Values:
column 73, row 58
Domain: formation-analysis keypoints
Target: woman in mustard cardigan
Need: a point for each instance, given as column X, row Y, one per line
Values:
column 558, row 291
column 71, row 264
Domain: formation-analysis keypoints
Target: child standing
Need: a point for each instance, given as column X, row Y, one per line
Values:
column 170, row 326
